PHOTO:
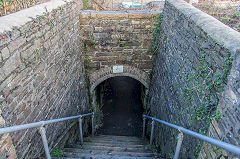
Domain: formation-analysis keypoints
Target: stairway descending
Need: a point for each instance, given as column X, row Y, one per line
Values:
column 111, row 147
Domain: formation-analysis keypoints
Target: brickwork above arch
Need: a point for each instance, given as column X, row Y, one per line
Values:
column 117, row 38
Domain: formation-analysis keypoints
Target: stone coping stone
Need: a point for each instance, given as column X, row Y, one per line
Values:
column 120, row 12
column 213, row 28
column 138, row 11
column 132, row 14
column 22, row 17
column 156, row 12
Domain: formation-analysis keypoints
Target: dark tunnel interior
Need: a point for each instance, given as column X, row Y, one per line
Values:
column 120, row 101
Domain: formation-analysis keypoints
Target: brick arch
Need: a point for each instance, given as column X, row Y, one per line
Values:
column 103, row 74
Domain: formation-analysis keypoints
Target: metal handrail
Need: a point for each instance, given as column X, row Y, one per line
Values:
column 219, row 143
column 42, row 130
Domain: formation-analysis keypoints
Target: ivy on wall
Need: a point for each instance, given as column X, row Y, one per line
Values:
column 208, row 83
column 211, row 84
column 157, row 33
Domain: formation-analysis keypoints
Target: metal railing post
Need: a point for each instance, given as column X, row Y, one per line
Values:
column 152, row 130
column 144, row 124
column 179, row 143
column 93, row 125
column 80, row 128
column 42, row 131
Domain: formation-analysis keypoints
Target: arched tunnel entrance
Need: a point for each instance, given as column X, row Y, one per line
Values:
column 121, row 101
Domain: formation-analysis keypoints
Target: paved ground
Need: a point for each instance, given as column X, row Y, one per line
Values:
column 122, row 108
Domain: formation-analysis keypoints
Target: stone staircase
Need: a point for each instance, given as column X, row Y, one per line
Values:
column 111, row 147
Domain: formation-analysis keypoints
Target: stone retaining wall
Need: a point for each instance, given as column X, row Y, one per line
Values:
column 191, row 69
column 42, row 76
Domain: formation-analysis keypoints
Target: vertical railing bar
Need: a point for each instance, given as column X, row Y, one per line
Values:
column 80, row 128
column 179, row 144
column 42, row 131
column 152, row 130
column 93, row 125
column 144, row 124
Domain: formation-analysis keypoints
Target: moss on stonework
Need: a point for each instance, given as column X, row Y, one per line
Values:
column 157, row 33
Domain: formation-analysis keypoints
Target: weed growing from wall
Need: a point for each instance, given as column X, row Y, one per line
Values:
column 157, row 33
column 86, row 59
column 85, row 4
column 96, row 108
column 98, row 115
column 57, row 152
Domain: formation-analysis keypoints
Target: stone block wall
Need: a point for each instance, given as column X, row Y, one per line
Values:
column 117, row 38
column 42, row 76
column 191, row 85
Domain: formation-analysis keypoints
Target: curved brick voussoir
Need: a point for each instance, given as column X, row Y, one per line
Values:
column 103, row 74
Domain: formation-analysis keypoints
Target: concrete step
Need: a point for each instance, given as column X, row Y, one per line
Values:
column 112, row 139
column 110, row 145
column 106, row 154
column 87, row 156
column 109, row 152
column 110, row 148
column 115, row 142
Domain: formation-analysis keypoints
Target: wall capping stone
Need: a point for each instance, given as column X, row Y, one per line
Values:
column 215, row 29
column 22, row 17
column 130, row 14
